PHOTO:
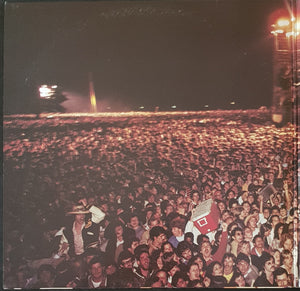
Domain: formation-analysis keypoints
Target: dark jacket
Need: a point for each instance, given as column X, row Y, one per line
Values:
column 90, row 232
column 262, row 281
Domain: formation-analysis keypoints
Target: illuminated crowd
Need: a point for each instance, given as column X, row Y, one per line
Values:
column 95, row 203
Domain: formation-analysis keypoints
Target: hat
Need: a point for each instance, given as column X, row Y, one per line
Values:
column 249, row 217
column 78, row 209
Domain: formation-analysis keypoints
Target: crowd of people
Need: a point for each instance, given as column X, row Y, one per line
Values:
column 95, row 203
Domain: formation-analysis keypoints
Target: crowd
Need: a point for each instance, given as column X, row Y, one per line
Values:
column 92, row 204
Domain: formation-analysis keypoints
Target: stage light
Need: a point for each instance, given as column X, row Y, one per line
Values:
column 283, row 22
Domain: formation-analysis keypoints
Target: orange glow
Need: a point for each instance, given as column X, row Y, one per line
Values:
column 283, row 22
column 93, row 101
column 92, row 94
column 297, row 26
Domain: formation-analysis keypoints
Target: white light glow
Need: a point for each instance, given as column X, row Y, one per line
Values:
column 283, row 22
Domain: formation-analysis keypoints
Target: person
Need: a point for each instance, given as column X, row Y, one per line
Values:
column 142, row 272
column 257, row 251
column 130, row 243
column 277, row 235
column 115, row 244
column 287, row 261
column 277, row 256
column 248, row 236
column 134, row 223
column 206, row 248
column 153, row 221
column 46, row 276
column 180, row 280
column 167, row 247
column 214, row 272
column 237, row 237
column 281, row 278
column 193, row 273
column 251, row 222
column 185, row 254
column 157, row 238
column 177, row 227
column 163, row 277
column 229, row 267
column 189, row 238
column 265, row 230
column 97, row 277
column 237, row 280
column 171, row 268
column 249, row 272
column 274, row 220
column 198, row 259
column 125, row 275
column 266, row 278
column 83, row 231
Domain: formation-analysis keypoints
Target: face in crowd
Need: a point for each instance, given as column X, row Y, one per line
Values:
column 144, row 261
column 206, row 249
column 79, row 218
column 243, row 267
column 96, row 271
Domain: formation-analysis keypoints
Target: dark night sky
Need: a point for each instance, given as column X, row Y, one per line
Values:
column 187, row 53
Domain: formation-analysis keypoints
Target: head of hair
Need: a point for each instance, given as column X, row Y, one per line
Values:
column 229, row 255
column 128, row 240
column 166, row 243
column 284, row 238
column 275, row 207
column 241, row 244
column 168, row 266
column 182, row 246
column 256, row 237
column 242, row 257
column 280, row 271
column 194, row 258
column 231, row 225
column 194, row 283
column 156, row 231
column 201, row 237
column 210, row 268
column 236, row 274
column 124, row 255
column 189, row 235
column 276, row 228
column 95, row 260
column 284, row 255
column 264, row 228
column 140, row 250
column 231, row 202
column 179, row 275
column 235, row 230
column 46, row 268
column 265, row 257
column 178, row 223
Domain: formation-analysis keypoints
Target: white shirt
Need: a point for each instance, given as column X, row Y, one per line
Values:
column 78, row 240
